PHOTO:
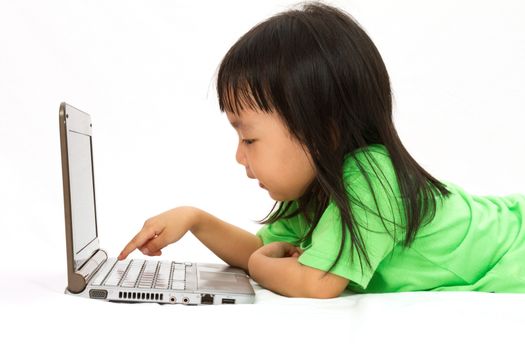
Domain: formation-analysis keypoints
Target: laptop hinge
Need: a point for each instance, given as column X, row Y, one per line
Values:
column 87, row 271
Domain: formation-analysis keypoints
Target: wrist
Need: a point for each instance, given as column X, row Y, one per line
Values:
column 193, row 217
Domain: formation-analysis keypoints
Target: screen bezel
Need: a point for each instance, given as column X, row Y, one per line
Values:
column 74, row 120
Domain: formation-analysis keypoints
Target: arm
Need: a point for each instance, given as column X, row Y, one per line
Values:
column 230, row 243
column 276, row 267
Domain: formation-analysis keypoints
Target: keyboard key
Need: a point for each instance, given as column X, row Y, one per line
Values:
column 180, row 285
column 116, row 273
column 179, row 275
column 133, row 273
column 163, row 275
column 102, row 273
column 146, row 280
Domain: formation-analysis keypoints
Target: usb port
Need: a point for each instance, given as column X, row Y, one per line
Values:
column 228, row 301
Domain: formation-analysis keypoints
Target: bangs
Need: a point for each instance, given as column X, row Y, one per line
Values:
column 236, row 93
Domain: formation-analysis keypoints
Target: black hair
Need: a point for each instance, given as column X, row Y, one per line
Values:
column 318, row 69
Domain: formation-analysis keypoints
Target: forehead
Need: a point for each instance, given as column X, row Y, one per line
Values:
column 243, row 120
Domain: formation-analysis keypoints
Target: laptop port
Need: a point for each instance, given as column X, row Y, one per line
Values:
column 185, row 300
column 206, row 299
column 228, row 301
column 173, row 300
column 98, row 294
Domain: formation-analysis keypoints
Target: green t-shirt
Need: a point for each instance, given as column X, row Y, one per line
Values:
column 472, row 243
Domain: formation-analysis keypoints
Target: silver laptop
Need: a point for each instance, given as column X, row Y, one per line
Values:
column 92, row 274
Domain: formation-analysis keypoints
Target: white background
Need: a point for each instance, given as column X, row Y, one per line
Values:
column 145, row 71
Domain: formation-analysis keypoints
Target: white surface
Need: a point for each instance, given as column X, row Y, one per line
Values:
column 144, row 70
column 429, row 320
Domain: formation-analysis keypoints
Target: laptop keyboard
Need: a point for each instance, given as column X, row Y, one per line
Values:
column 149, row 274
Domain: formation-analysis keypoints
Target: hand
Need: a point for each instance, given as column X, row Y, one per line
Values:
column 160, row 231
column 279, row 250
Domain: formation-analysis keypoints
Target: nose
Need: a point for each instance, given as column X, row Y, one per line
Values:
column 239, row 155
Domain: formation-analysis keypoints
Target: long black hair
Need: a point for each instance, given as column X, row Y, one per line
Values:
column 318, row 69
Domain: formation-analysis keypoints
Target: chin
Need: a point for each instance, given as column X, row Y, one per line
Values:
column 280, row 197
column 275, row 197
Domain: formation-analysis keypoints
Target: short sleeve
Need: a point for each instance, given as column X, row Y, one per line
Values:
column 378, row 222
column 284, row 230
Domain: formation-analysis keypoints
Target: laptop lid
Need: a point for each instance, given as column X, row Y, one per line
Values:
column 79, row 191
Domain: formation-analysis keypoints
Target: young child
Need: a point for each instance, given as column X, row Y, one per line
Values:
column 310, row 99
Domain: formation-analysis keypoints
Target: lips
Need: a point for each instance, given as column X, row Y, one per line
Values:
column 261, row 185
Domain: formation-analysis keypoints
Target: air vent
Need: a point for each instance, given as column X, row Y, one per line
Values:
column 139, row 296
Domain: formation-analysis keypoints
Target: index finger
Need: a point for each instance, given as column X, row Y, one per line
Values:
column 142, row 237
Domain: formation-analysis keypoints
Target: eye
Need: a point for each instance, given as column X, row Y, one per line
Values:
column 248, row 141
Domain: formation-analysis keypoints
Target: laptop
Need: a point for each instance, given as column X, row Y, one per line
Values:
column 91, row 273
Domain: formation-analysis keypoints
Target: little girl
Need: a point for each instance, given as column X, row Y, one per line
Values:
column 310, row 99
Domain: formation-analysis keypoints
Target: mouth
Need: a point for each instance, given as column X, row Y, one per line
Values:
column 262, row 186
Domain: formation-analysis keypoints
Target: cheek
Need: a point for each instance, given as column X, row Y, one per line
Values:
column 300, row 170
column 293, row 176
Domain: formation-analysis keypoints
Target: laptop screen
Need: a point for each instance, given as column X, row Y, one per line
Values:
column 82, row 190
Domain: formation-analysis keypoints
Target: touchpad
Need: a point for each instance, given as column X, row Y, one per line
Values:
column 222, row 278
column 222, row 282
column 217, row 276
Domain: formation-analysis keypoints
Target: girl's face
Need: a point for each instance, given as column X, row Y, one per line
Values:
column 270, row 154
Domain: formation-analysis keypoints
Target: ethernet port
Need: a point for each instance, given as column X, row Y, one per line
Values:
column 206, row 299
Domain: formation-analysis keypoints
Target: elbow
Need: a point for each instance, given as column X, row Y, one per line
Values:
column 322, row 289
column 312, row 293
column 324, row 294
column 291, row 279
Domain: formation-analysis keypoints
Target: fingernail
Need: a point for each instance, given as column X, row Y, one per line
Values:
column 145, row 251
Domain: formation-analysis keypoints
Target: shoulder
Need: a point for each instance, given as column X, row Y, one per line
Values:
column 373, row 190
column 368, row 159
column 368, row 171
